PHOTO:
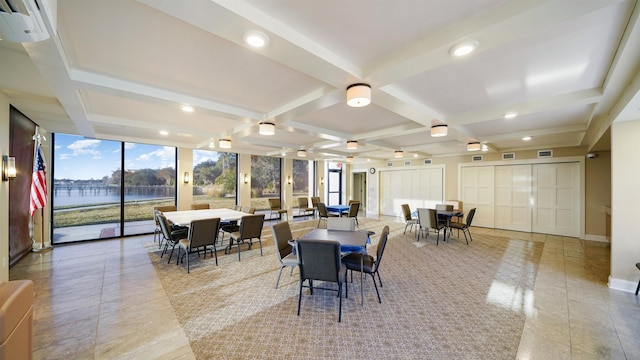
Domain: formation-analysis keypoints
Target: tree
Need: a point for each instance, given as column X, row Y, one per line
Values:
column 265, row 173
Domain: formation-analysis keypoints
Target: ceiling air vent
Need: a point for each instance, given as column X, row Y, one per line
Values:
column 508, row 156
column 407, row 163
column 475, row 158
column 427, row 161
column 545, row 153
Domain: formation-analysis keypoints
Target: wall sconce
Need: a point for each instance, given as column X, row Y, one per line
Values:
column 246, row 178
column 8, row 168
column 321, row 181
column 289, row 179
column 186, row 177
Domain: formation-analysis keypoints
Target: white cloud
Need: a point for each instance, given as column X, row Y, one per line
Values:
column 63, row 156
column 128, row 146
column 84, row 147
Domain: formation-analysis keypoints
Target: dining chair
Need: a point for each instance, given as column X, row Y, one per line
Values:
column 157, row 232
column 276, row 208
column 409, row 220
column 464, row 226
column 282, row 235
column 303, row 207
column 354, row 207
column 171, row 237
column 202, row 237
column 346, row 212
column 323, row 214
column 341, row 223
column 366, row 263
column 320, row 260
column 314, row 203
column 428, row 220
column 200, row 206
column 249, row 210
column 250, row 228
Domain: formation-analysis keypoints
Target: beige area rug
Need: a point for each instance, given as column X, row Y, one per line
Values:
column 452, row 301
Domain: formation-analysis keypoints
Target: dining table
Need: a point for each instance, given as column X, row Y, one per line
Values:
column 447, row 215
column 185, row 217
column 350, row 242
column 338, row 208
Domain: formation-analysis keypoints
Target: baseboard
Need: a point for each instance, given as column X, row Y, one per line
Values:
column 622, row 285
column 600, row 238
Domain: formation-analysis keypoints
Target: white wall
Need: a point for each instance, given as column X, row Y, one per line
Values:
column 625, row 198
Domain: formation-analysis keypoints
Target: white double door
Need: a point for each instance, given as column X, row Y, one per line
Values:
column 542, row 198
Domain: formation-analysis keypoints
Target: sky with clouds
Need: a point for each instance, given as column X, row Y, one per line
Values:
column 83, row 159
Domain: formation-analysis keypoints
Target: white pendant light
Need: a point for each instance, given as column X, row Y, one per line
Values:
column 398, row 154
column 267, row 128
column 352, row 145
column 358, row 95
column 302, row 153
column 474, row 146
column 224, row 143
column 439, row 130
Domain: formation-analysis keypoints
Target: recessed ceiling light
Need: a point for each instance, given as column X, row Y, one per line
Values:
column 510, row 115
column 256, row 39
column 187, row 108
column 464, row 48
column 164, row 132
column 526, row 138
column 211, row 144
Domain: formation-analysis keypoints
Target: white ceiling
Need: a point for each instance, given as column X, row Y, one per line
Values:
column 121, row 69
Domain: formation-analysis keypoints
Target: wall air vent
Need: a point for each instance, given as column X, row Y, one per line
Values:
column 407, row 163
column 21, row 21
column 427, row 161
column 389, row 164
column 508, row 156
column 545, row 153
column 475, row 158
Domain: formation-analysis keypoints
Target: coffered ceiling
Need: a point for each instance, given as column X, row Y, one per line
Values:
column 122, row 69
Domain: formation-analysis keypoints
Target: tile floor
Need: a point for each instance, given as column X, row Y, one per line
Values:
column 103, row 300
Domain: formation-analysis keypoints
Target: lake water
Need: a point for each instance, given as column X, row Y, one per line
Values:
column 63, row 198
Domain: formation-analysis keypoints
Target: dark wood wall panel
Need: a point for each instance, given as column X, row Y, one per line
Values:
column 21, row 130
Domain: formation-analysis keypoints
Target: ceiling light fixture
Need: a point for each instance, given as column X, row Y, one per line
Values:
column 302, row 153
column 164, row 132
column 526, row 138
column 211, row 144
column 358, row 95
column 398, row 154
column 474, row 146
column 224, row 143
column 464, row 48
column 267, row 128
column 256, row 39
column 485, row 147
column 349, row 158
column 510, row 115
column 439, row 130
column 187, row 108
column 352, row 145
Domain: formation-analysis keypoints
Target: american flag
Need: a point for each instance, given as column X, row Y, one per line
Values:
column 38, row 183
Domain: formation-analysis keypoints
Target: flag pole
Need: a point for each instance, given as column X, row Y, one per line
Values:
column 36, row 144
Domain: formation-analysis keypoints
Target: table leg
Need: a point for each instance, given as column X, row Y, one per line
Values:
column 361, row 276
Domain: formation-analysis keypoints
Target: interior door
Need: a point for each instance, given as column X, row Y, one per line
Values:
column 416, row 187
column 556, row 199
column 477, row 192
column 513, row 197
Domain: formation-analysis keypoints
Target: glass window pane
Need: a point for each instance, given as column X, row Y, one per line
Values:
column 214, row 178
column 86, row 188
column 265, row 180
column 149, row 180
column 300, row 178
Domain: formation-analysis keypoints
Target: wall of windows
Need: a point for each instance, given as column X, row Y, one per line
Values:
column 265, row 180
column 93, row 198
column 334, row 183
column 214, row 178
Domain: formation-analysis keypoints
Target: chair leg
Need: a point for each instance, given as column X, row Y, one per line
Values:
column 238, row 250
column 260, row 241
column 638, row 288
column 300, row 296
column 373, row 277
column 188, row 264
column 279, row 273
column 379, row 279
column 340, row 303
